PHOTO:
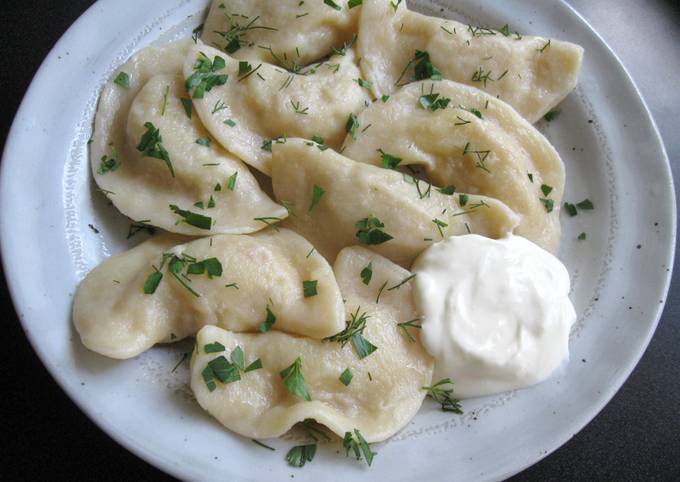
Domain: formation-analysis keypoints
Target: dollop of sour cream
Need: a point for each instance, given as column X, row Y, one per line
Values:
column 496, row 314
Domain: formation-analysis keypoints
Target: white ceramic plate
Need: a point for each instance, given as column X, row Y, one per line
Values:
column 620, row 274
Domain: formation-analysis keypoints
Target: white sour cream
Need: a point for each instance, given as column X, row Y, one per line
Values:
column 496, row 313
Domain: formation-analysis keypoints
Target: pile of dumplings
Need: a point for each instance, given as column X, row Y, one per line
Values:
column 298, row 157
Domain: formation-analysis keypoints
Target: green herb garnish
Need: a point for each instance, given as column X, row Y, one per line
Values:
column 122, row 79
column 204, row 78
column 309, row 288
column 367, row 273
column 299, row 455
column 269, row 321
column 444, row 396
column 151, row 145
column 191, row 218
column 215, row 347
column 370, row 231
column 388, row 160
column 352, row 126
column 358, row 446
column 317, row 193
column 294, row 380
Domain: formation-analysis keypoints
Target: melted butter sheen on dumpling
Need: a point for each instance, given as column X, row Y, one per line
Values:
column 236, row 282
column 260, row 102
column 414, row 215
column 384, row 393
column 286, row 31
column 532, row 74
column 198, row 175
column 477, row 143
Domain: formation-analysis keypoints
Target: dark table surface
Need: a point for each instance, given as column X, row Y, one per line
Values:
column 636, row 436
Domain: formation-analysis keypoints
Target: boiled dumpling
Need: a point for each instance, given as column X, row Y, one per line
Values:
column 261, row 102
column 467, row 138
column 533, row 74
column 163, row 290
column 155, row 161
column 286, row 32
column 336, row 202
column 385, row 390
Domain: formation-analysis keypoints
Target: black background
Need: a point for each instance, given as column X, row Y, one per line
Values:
column 44, row 435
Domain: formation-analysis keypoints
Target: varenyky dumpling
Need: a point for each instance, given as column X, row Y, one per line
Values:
column 162, row 291
column 396, row 46
column 336, row 202
column 385, row 390
column 285, row 32
column 464, row 137
column 261, row 102
column 155, row 161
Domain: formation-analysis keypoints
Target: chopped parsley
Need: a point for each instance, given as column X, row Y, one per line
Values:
column 191, row 218
column 433, row 102
column 231, row 182
column 317, row 193
column 122, row 79
column 571, row 209
column 358, row 446
column 188, row 106
column 346, row 377
column 552, row 115
column 424, row 68
column 268, row 322
column 549, row 204
column 203, row 141
column 388, row 160
column 444, row 396
column 364, row 83
column 448, row 190
column 367, row 273
column 299, row 455
column 370, row 231
column 586, row 204
column 204, row 78
column 352, row 126
column 546, row 189
column 294, row 380
column 354, row 3
column 353, row 333
column 309, row 288
column 151, row 145
column 215, row 347
column 582, row 236
column 463, row 199
column 332, row 4
column 108, row 164
column 152, row 282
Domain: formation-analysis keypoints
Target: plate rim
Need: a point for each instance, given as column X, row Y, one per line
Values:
column 171, row 468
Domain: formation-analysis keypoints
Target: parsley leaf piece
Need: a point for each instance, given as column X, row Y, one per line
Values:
column 549, row 204
column 188, row 106
column 317, row 193
column 424, row 68
column 552, row 115
column 346, row 377
column 582, row 236
column 358, row 446
column 231, row 182
column 388, row 160
column 366, row 84
column 309, row 288
column 370, row 232
column 294, row 380
column 299, row 455
column 215, row 347
column 546, row 189
column 108, row 164
column 267, row 145
column 209, row 378
column 367, row 273
column 352, row 126
column 244, row 67
column 472, row 110
column 211, row 202
column 463, row 199
column 213, row 267
column 193, row 219
column 152, row 282
column 224, row 371
column 230, row 123
column 122, row 79
column 332, row 4
column 237, row 357
column 151, row 145
column 203, row 141
column 433, row 102
column 385, row 98
column 448, row 190
column 354, row 3
column 531, row 177
column 571, row 209
column 256, row 365
column 586, row 204
column 505, row 30
column 269, row 321
column 204, row 78
column 444, row 396
column 362, row 346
